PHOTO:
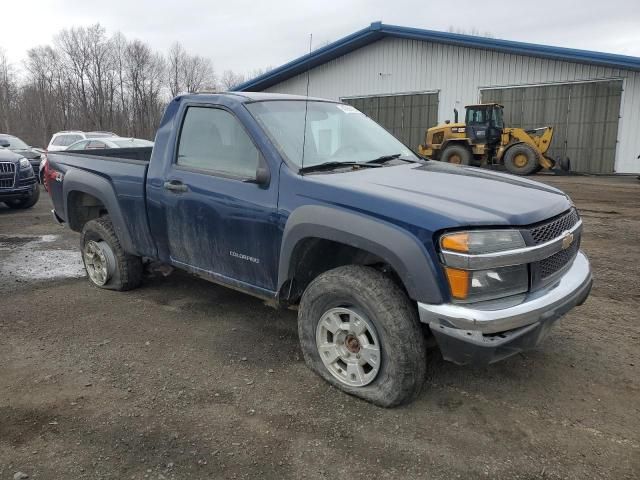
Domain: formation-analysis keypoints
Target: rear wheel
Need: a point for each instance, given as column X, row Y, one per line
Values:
column 26, row 202
column 521, row 159
column 359, row 332
column 107, row 264
column 456, row 154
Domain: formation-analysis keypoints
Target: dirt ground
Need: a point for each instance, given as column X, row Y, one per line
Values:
column 185, row 379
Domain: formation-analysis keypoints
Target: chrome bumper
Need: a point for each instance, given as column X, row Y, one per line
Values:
column 568, row 292
column 479, row 336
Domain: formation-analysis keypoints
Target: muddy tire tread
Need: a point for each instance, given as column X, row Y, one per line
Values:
column 129, row 267
column 401, row 375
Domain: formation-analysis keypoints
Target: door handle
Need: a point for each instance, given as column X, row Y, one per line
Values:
column 175, row 186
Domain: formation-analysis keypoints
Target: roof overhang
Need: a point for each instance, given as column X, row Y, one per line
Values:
column 378, row 30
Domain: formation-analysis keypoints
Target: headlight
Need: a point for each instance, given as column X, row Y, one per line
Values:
column 479, row 285
column 482, row 241
column 24, row 163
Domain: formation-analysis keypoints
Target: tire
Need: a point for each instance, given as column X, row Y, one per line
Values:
column 456, row 154
column 27, row 202
column 516, row 155
column 394, row 329
column 100, row 247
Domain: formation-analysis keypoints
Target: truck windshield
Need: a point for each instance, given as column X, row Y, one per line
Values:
column 335, row 133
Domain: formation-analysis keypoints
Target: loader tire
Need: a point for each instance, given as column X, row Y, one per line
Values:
column 456, row 154
column 354, row 315
column 107, row 264
column 521, row 160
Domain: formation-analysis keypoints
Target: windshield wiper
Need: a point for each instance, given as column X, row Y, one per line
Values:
column 386, row 158
column 332, row 165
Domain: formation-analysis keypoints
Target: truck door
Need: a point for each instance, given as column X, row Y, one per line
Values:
column 207, row 213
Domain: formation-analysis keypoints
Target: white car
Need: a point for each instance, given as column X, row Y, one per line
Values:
column 62, row 140
column 109, row 142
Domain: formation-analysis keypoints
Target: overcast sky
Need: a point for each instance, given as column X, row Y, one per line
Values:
column 245, row 35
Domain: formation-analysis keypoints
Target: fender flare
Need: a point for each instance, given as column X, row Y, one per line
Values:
column 400, row 249
column 77, row 180
column 462, row 141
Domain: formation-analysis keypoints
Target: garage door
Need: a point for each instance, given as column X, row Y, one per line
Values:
column 584, row 116
column 406, row 116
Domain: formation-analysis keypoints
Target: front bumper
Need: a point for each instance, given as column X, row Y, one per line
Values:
column 482, row 335
column 18, row 193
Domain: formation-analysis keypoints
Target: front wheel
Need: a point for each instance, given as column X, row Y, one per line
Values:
column 456, row 154
column 359, row 332
column 521, row 159
column 106, row 262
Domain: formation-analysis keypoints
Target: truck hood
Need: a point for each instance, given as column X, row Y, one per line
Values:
column 437, row 195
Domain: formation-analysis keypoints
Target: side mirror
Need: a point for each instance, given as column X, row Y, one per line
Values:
column 263, row 176
column 4, row 143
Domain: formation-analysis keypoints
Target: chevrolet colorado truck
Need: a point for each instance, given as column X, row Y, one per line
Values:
column 310, row 204
column 18, row 184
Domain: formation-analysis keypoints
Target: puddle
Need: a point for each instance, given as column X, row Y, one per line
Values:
column 35, row 258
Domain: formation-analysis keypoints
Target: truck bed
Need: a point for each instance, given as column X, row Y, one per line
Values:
column 110, row 174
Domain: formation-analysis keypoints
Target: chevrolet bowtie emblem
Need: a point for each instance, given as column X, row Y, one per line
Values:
column 567, row 240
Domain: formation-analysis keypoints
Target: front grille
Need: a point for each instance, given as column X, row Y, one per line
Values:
column 555, row 263
column 554, row 228
column 7, row 174
column 548, row 270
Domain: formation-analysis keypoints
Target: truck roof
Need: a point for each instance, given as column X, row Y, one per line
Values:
column 248, row 97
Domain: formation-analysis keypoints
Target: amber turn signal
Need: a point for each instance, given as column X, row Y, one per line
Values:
column 458, row 242
column 458, row 282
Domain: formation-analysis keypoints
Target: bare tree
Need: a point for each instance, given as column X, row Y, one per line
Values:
column 145, row 72
column 7, row 91
column 87, row 79
column 188, row 73
column 230, row 79
column 198, row 73
column 175, row 67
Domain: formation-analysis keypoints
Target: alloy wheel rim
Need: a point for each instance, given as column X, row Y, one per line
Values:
column 348, row 346
column 98, row 261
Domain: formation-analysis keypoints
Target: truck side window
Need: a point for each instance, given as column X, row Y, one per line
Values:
column 213, row 139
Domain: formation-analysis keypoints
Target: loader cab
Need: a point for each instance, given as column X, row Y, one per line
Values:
column 484, row 123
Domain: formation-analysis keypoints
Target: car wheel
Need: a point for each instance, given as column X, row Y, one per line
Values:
column 359, row 332
column 106, row 262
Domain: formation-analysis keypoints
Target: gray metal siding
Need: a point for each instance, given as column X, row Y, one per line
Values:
column 395, row 65
column 584, row 117
column 406, row 116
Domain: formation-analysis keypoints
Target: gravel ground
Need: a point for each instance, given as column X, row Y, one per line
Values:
column 185, row 379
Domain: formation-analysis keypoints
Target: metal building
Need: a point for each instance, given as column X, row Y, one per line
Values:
column 409, row 79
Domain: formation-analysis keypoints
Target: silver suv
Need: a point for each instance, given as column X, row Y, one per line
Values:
column 61, row 140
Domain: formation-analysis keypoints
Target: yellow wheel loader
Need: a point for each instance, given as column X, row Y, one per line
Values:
column 483, row 140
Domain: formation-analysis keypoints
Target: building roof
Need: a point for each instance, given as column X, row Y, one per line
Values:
column 379, row 30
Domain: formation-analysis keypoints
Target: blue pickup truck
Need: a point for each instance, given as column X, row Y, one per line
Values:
column 309, row 204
